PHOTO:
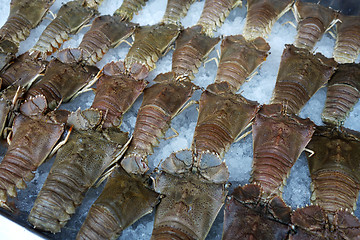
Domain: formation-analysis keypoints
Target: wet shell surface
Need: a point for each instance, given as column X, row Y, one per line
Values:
column 239, row 157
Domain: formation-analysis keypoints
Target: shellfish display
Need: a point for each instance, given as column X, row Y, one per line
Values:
column 238, row 158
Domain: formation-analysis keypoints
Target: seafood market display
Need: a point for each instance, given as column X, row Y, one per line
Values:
column 175, row 140
column 334, row 187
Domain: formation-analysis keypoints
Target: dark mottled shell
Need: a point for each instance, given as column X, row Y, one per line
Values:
column 278, row 140
column 160, row 104
column 334, row 168
column 23, row 71
column 149, row 45
column 24, row 16
column 175, row 10
column 69, row 20
column 300, row 75
column 313, row 21
column 214, row 14
column 123, row 201
column 312, row 223
column 342, row 94
column 32, row 141
column 115, row 94
column 128, row 8
column 191, row 48
column 247, row 216
column 239, row 58
column 192, row 201
column 261, row 16
column 78, row 165
column 61, row 81
column 347, row 46
column 222, row 117
column 106, row 32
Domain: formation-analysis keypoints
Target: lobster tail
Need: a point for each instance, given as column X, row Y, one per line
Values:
column 76, row 169
column 214, row 14
column 62, row 192
column 222, row 117
column 105, row 32
column 150, row 43
column 22, row 72
column 300, row 75
column 162, row 101
column 70, row 18
column 347, row 46
column 314, row 20
column 342, row 94
column 239, row 58
column 334, row 168
column 128, row 8
column 123, row 201
column 24, row 16
column 175, row 10
column 62, row 81
column 32, row 142
column 278, row 141
column 191, row 48
column 261, row 16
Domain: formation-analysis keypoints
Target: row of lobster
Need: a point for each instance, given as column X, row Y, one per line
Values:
column 190, row 186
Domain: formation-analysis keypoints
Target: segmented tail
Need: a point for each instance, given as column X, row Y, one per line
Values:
column 262, row 15
column 175, row 10
column 128, row 8
column 340, row 100
column 192, row 47
column 301, row 74
column 214, row 14
column 62, row 192
column 347, row 46
column 71, row 17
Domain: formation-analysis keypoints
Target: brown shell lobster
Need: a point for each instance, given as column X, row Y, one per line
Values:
column 24, row 16
column 347, row 46
column 239, row 58
column 343, row 92
column 257, row 208
column 191, row 48
column 161, row 103
column 76, row 168
column 335, row 185
column 300, row 75
column 313, row 21
column 261, row 16
column 35, row 134
column 69, row 20
column 106, row 32
column 214, row 14
column 175, row 10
